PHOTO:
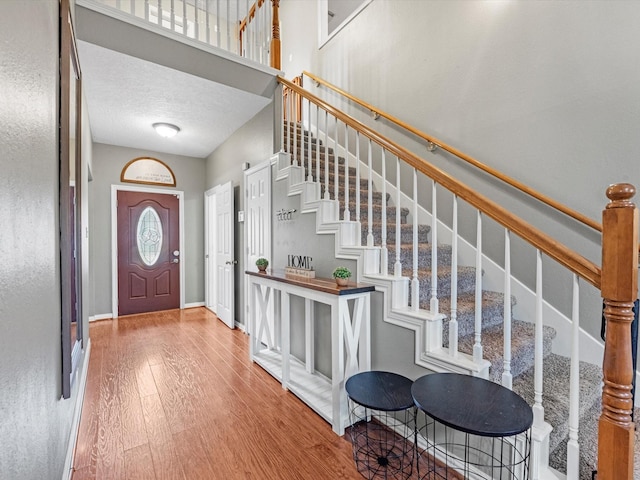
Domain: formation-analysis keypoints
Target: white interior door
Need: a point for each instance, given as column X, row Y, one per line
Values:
column 257, row 183
column 225, row 261
column 210, row 272
column 258, row 215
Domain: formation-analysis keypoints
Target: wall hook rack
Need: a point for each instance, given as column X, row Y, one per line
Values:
column 283, row 215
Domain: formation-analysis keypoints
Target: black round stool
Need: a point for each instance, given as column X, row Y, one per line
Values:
column 471, row 428
column 382, row 417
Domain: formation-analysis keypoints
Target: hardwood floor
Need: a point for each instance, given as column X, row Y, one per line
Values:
column 173, row 395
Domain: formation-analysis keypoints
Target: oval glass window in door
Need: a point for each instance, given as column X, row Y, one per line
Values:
column 149, row 235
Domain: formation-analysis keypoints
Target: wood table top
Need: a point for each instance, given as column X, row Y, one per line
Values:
column 327, row 285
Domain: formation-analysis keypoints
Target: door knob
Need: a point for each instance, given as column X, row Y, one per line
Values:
column 175, row 260
column 232, row 262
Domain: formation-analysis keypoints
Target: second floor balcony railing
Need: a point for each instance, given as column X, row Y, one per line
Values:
column 240, row 27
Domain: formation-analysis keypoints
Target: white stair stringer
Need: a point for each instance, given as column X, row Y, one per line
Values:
column 427, row 326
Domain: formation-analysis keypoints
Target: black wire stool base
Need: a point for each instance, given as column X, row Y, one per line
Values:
column 382, row 442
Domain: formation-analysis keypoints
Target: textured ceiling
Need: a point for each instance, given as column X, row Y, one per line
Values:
column 126, row 95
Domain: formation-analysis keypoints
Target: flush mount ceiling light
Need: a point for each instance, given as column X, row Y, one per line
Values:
column 166, row 130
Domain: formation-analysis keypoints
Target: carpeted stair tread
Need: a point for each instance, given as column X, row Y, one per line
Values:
column 332, row 170
column 363, row 184
column 588, row 442
column 302, row 161
column 376, row 211
column 364, row 196
column 406, row 233
column 492, row 310
column 522, row 347
column 298, row 152
column 555, row 393
column 424, row 254
column 466, row 279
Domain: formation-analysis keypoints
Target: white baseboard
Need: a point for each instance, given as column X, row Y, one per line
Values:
column 194, row 305
column 75, row 424
column 104, row 316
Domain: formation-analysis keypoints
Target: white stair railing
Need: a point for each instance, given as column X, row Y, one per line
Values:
column 430, row 354
column 238, row 27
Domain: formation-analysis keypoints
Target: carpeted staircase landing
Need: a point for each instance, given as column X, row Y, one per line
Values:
column 556, row 368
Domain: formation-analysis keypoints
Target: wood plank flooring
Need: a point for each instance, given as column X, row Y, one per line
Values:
column 173, row 395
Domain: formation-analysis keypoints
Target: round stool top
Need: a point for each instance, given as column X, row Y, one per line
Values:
column 380, row 390
column 473, row 405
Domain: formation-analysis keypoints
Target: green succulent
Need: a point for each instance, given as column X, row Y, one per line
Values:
column 262, row 262
column 341, row 272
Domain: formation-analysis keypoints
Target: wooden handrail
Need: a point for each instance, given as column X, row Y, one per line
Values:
column 619, row 291
column 550, row 247
column 250, row 15
column 467, row 158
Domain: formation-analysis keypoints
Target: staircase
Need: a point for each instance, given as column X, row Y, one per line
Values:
column 556, row 368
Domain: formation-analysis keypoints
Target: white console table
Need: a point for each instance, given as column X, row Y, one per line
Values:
column 269, row 327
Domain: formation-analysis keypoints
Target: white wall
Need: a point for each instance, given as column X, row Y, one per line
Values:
column 545, row 91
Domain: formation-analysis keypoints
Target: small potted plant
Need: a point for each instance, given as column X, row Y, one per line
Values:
column 342, row 274
column 262, row 264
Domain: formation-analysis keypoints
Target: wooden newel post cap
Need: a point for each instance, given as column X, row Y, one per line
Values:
column 620, row 195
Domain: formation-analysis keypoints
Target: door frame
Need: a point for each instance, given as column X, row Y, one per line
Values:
column 210, row 261
column 114, row 238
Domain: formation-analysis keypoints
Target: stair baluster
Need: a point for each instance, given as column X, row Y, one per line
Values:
column 318, row 152
column 294, row 122
column 507, row 379
column 369, row 193
column 347, row 213
column 538, row 409
column 415, row 283
column 326, row 156
column 384, row 253
column 573, row 448
column 336, row 169
column 477, row 345
column 309, row 157
column 397, row 267
column 287, row 114
column 434, row 249
column 453, row 316
column 357, row 181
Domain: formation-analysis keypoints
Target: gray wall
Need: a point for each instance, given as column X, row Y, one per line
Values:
column 544, row 91
column 252, row 143
column 108, row 161
column 35, row 424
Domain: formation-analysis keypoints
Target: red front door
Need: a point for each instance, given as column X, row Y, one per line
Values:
column 148, row 252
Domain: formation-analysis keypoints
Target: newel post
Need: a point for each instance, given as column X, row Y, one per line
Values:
column 619, row 288
column 275, row 37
